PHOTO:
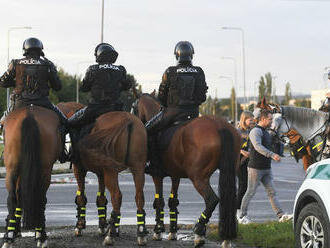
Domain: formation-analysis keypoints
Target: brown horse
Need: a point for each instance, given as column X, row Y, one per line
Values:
column 32, row 145
column 299, row 149
column 116, row 142
column 69, row 108
column 196, row 150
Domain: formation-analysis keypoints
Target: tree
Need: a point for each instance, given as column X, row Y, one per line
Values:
column 287, row 96
column 269, row 86
column 262, row 88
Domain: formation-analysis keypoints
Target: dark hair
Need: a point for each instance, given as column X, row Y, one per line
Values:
column 264, row 113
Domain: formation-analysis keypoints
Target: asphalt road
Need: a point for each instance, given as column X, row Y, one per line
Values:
column 61, row 209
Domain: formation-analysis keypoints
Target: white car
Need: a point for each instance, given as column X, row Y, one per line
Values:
column 312, row 208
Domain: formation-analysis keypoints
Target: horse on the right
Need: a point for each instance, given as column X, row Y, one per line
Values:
column 196, row 150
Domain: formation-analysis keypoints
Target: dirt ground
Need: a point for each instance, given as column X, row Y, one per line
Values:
column 63, row 237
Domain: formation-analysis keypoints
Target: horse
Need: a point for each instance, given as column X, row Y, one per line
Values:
column 308, row 151
column 69, row 108
column 32, row 145
column 196, row 151
column 116, row 142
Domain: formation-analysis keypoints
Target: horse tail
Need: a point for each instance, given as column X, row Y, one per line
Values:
column 227, row 186
column 100, row 146
column 31, row 188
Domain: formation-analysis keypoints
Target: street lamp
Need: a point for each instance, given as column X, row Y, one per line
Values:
column 243, row 54
column 8, row 39
column 232, row 82
column 236, row 85
column 102, row 21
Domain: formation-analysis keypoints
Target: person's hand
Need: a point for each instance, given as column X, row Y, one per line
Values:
column 276, row 157
column 245, row 153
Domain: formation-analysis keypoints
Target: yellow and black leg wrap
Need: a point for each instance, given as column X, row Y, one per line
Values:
column 141, row 223
column 158, row 205
column 101, row 203
column 114, row 224
column 81, row 201
column 172, row 204
column 11, row 231
column 40, row 234
column 200, row 227
column 18, row 216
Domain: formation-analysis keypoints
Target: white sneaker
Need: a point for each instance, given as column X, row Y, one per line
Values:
column 285, row 217
column 244, row 220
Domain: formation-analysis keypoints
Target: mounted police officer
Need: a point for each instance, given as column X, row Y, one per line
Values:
column 32, row 77
column 182, row 90
column 104, row 81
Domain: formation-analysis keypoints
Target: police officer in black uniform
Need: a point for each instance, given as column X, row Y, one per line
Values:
column 182, row 90
column 104, row 81
column 32, row 77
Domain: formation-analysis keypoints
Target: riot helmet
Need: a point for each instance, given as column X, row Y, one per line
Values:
column 184, row 51
column 104, row 52
column 33, row 45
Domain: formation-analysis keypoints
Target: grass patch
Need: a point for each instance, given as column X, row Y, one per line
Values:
column 269, row 234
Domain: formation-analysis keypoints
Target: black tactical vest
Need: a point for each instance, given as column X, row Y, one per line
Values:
column 32, row 78
column 106, row 83
column 257, row 160
column 182, row 84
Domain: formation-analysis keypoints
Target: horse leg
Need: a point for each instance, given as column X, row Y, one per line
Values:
column 11, row 220
column 138, row 176
column 158, row 205
column 101, row 203
column 111, row 182
column 173, row 203
column 211, row 200
column 80, row 200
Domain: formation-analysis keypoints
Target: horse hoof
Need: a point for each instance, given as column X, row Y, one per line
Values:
column 172, row 236
column 7, row 245
column 157, row 236
column 108, row 241
column 142, row 241
column 226, row 244
column 199, row 241
column 44, row 244
column 102, row 231
column 77, row 232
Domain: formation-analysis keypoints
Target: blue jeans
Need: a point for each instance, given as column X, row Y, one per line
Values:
column 256, row 176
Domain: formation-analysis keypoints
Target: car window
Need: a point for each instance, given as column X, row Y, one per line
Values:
column 320, row 172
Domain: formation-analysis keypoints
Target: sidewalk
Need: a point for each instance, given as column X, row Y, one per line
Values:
column 57, row 167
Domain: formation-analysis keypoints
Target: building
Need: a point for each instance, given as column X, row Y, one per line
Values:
column 317, row 98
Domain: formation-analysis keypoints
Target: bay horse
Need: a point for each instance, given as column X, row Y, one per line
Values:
column 32, row 145
column 308, row 152
column 117, row 142
column 69, row 108
column 196, row 151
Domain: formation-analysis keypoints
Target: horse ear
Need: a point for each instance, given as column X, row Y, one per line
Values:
column 153, row 93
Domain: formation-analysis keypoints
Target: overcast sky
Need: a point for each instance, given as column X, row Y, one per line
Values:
column 290, row 39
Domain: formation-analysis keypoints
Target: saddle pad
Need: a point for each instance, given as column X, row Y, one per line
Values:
column 165, row 136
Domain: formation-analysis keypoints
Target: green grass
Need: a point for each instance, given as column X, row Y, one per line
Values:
column 270, row 235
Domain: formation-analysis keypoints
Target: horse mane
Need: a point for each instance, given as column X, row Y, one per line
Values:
column 305, row 120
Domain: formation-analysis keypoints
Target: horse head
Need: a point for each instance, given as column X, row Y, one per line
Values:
column 146, row 106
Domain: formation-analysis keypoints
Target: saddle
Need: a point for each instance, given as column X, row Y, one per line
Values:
column 158, row 145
